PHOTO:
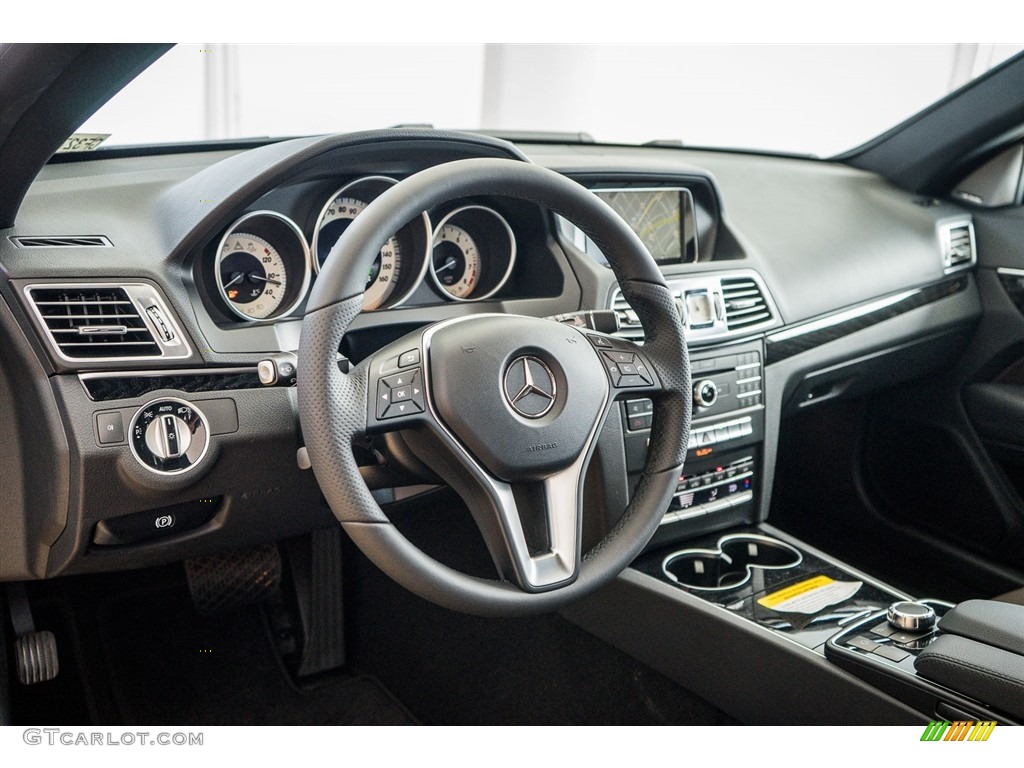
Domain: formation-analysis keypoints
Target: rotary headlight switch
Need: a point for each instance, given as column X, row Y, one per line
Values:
column 169, row 436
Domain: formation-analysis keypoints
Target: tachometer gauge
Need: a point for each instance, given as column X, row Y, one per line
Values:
column 473, row 253
column 399, row 266
column 262, row 266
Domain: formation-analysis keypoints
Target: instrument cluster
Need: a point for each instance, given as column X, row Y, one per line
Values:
column 265, row 264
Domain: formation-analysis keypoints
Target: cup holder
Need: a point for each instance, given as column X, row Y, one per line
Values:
column 730, row 565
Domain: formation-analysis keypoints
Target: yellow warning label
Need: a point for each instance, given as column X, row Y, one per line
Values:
column 775, row 599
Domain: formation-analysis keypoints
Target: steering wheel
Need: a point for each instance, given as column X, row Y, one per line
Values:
column 507, row 409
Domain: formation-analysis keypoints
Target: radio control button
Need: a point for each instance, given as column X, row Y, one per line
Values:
column 620, row 357
column 637, row 407
column 705, row 393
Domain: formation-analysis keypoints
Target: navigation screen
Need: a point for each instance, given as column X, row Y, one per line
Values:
column 654, row 215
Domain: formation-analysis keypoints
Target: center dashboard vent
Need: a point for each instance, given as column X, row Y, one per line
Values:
column 957, row 242
column 713, row 307
column 744, row 302
column 103, row 322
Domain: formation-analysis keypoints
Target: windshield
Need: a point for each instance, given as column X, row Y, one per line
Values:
column 817, row 100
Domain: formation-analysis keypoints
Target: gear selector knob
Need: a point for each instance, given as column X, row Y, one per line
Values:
column 911, row 617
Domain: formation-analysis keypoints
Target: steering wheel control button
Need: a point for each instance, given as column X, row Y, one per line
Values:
column 626, row 368
column 109, row 428
column 599, row 341
column 530, row 387
column 910, row 616
column 169, row 436
column 620, row 357
column 406, row 359
column 400, row 395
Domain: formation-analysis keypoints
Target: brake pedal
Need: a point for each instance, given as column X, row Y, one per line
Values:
column 35, row 650
column 233, row 580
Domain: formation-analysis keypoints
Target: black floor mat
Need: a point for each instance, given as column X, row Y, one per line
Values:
column 170, row 666
column 453, row 669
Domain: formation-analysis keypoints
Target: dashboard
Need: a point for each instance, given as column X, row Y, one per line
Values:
column 144, row 297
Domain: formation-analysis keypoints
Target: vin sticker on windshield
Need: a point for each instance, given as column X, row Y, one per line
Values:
column 83, row 142
column 811, row 595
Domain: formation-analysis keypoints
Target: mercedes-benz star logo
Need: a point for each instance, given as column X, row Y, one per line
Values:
column 530, row 387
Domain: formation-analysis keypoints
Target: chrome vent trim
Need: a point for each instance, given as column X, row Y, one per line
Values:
column 62, row 241
column 106, row 322
column 745, row 304
column 742, row 306
column 956, row 239
column 629, row 323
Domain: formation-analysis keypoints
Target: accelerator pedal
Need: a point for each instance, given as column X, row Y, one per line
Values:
column 35, row 651
column 228, row 581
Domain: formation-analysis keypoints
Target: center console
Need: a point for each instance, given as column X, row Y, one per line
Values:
column 763, row 625
column 719, row 484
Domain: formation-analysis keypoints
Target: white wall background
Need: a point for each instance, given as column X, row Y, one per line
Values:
column 817, row 99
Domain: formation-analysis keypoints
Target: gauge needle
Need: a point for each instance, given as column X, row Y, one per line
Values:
column 239, row 277
column 452, row 261
column 254, row 277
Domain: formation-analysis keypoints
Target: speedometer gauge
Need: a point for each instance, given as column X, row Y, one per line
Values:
column 262, row 268
column 398, row 267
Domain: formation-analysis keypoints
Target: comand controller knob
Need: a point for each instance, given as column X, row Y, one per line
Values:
column 910, row 616
column 169, row 436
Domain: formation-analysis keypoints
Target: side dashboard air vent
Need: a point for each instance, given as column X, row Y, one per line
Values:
column 104, row 322
column 629, row 323
column 82, row 241
column 957, row 242
column 744, row 302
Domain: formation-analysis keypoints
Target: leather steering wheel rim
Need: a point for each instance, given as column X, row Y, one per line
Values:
column 333, row 405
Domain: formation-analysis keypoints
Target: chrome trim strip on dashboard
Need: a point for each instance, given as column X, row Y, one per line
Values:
column 735, row 412
column 1010, row 271
column 841, row 317
column 83, row 378
column 166, row 372
column 800, row 338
